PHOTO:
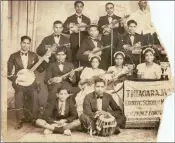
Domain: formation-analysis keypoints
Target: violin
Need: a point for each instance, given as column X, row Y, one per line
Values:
column 53, row 48
column 75, row 28
column 108, row 28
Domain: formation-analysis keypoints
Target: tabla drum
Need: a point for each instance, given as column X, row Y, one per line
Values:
column 105, row 125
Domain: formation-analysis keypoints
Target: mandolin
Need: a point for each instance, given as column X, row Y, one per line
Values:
column 65, row 75
column 135, row 49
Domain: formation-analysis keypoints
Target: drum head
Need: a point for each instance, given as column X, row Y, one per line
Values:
column 25, row 77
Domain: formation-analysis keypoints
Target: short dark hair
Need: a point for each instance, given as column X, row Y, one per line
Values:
column 131, row 21
column 57, row 22
column 109, row 3
column 25, row 37
column 98, row 79
column 92, row 25
column 61, row 49
column 76, row 2
column 64, row 88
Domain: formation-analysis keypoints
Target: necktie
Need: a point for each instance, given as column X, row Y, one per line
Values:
column 61, row 108
column 25, row 54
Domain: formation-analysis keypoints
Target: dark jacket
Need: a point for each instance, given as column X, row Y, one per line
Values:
column 74, row 37
column 87, row 45
column 104, row 21
column 49, row 40
column 125, row 39
column 70, row 111
column 54, row 71
column 90, row 107
column 16, row 62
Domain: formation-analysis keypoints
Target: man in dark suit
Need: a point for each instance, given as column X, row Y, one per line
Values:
column 70, row 26
column 131, row 38
column 23, row 59
column 54, row 80
column 99, row 102
column 64, row 113
column 89, row 45
column 106, row 37
column 53, row 41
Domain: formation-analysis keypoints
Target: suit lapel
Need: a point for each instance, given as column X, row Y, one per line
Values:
column 106, row 19
column 90, row 43
column 51, row 39
column 61, row 42
column 104, row 101
column 128, row 39
column 94, row 102
column 30, row 60
column 66, row 112
column 19, row 60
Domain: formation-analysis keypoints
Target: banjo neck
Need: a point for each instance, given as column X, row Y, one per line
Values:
column 37, row 65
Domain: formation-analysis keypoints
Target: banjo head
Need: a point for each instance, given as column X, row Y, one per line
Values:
column 25, row 77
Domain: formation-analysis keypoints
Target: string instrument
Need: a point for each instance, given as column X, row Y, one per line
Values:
column 67, row 74
column 55, row 46
column 97, row 50
column 26, row 77
column 75, row 28
column 135, row 49
column 108, row 28
column 90, row 81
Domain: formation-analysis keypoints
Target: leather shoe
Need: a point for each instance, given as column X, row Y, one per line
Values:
column 19, row 125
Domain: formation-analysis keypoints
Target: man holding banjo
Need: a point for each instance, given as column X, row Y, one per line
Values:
column 21, row 61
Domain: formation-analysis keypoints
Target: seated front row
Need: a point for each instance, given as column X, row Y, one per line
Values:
column 96, row 109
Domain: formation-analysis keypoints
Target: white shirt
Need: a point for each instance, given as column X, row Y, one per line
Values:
column 153, row 72
column 24, row 59
column 110, row 18
column 61, row 107
column 143, row 19
column 61, row 67
column 132, row 39
column 57, row 39
column 79, row 19
column 99, row 104
column 95, row 42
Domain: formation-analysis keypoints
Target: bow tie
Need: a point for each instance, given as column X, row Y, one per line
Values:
column 96, row 40
column 110, row 16
column 131, row 35
column 79, row 16
column 99, row 97
column 60, row 63
column 25, row 54
column 55, row 35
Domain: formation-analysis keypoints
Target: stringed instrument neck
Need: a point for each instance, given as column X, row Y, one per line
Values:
column 37, row 65
column 100, row 49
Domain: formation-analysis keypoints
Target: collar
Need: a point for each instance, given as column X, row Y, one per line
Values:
column 24, row 52
column 77, row 15
column 110, row 15
column 131, row 34
column 97, row 96
column 142, row 11
column 56, row 35
column 94, row 39
column 61, row 63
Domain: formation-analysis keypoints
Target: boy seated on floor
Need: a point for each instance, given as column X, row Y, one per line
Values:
column 64, row 115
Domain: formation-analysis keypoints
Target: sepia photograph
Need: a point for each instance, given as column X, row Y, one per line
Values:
column 81, row 71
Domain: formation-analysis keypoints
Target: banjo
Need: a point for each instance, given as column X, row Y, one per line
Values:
column 26, row 77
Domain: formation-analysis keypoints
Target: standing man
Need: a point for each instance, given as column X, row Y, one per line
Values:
column 53, row 41
column 143, row 18
column 23, row 59
column 104, row 26
column 71, row 26
column 98, row 103
column 129, row 39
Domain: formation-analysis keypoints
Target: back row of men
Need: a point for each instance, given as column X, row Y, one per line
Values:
column 84, row 36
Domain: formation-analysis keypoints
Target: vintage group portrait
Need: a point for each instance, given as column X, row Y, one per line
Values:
column 81, row 71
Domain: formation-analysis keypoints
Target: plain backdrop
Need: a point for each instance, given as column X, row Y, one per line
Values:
column 162, row 13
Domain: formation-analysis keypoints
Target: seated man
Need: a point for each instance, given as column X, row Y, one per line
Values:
column 89, row 45
column 99, row 103
column 63, row 115
column 21, row 60
column 55, row 78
